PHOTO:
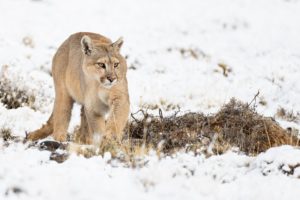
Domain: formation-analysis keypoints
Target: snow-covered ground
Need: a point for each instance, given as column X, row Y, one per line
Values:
column 174, row 50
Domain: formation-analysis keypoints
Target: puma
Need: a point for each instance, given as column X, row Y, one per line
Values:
column 88, row 69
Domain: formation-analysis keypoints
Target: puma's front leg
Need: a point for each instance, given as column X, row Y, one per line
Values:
column 117, row 119
column 84, row 136
column 96, row 126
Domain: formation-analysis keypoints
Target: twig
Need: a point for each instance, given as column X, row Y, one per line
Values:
column 160, row 114
column 265, row 126
column 132, row 115
column 254, row 98
column 176, row 112
column 26, row 135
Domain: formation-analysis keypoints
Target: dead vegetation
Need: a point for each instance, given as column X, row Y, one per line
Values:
column 7, row 137
column 28, row 41
column 5, row 134
column 236, row 125
column 225, row 69
column 15, row 190
column 194, row 53
column 161, row 104
column 288, row 115
column 13, row 97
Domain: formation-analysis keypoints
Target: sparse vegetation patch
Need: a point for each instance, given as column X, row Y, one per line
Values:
column 13, row 97
column 5, row 134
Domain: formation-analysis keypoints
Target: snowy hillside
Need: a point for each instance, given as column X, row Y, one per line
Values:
column 192, row 54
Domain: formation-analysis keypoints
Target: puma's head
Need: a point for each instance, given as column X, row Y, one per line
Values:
column 103, row 62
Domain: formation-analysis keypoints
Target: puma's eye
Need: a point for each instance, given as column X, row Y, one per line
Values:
column 101, row 65
column 116, row 65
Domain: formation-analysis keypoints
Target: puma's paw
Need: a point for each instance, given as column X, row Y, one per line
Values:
column 32, row 136
column 60, row 137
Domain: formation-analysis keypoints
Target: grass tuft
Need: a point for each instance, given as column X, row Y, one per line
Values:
column 6, row 134
column 12, row 97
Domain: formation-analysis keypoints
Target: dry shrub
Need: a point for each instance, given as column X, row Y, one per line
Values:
column 12, row 97
column 241, row 126
column 236, row 125
column 166, row 133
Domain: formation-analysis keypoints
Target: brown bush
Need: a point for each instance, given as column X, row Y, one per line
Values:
column 236, row 125
column 12, row 97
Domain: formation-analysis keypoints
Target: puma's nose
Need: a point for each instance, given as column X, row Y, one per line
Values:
column 111, row 79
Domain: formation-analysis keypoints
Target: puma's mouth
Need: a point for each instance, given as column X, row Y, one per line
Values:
column 107, row 84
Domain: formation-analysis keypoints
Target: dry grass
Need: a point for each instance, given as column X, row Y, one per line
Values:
column 236, row 125
column 12, row 97
column 28, row 41
column 189, row 52
column 125, row 151
column 225, row 69
column 288, row 115
column 7, row 136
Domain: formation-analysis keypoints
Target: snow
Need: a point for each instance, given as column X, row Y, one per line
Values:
column 257, row 39
column 229, row 176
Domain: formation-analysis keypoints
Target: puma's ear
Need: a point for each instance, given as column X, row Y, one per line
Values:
column 118, row 44
column 86, row 45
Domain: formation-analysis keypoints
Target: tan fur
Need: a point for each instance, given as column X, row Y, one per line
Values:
column 85, row 71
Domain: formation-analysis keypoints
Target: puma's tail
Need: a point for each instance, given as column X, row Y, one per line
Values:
column 44, row 131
